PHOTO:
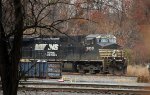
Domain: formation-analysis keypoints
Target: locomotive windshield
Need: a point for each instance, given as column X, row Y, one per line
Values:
column 112, row 40
column 100, row 39
column 104, row 40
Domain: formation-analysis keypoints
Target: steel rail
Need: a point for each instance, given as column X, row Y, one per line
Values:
column 86, row 89
column 98, row 74
column 85, row 84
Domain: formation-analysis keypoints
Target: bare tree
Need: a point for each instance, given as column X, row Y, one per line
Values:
column 19, row 17
column 9, row 60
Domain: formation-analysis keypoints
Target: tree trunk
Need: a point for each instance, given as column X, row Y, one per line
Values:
column 9, row 61
column 1, row 28
column 4, row 62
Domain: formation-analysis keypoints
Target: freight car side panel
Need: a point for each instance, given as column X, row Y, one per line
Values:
column 41, row 69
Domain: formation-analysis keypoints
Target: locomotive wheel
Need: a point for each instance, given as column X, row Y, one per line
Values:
column 124, row 71
column 92, row 72
column 118, row 72
column 111, row 70
column 80, row 69
column 82, row 72
column 97, row 71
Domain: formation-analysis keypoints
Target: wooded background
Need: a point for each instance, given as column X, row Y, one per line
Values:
column 128, row 20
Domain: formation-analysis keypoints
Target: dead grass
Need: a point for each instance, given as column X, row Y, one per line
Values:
column 140, row 71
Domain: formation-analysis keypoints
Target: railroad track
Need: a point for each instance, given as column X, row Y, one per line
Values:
column 127, row 89
column 97, row 88
column 85, row 87
column 88, row 74
column 88, row 90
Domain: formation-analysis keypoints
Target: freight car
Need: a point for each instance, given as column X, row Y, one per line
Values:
column 94, row 53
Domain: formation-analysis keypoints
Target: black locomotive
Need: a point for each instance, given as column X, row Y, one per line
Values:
column 94, row 53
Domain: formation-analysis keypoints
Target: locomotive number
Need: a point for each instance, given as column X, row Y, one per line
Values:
column 89, row 48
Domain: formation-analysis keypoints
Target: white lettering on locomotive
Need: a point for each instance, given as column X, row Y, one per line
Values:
column 114, row 53
column 53, row 47
column 46, row 46
column 51, row 54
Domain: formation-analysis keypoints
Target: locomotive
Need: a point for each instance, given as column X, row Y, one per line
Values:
column 94, row 53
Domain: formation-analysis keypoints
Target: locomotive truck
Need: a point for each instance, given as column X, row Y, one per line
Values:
column 94, row 53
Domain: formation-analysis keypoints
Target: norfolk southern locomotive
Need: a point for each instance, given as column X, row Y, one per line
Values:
column 94, row 53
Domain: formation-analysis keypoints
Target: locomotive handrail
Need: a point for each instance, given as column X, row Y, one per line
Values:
column 110, row 53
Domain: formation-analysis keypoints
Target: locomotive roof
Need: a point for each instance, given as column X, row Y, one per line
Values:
column 47, row 38
column 92, row 36
column 106, row 36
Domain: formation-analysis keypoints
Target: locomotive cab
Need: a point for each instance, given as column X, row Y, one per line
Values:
column 103, row 54
column 112, row 55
